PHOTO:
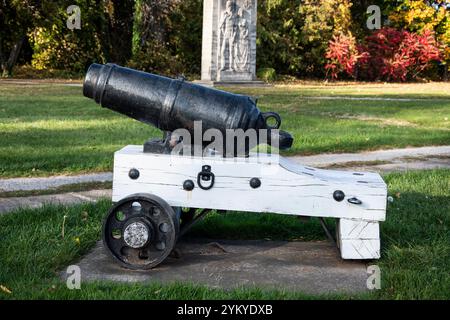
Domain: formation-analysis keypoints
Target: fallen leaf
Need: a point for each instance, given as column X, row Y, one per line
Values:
column 5, row 289
column 84, row 215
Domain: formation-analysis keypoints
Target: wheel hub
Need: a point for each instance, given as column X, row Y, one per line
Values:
column 136, row 235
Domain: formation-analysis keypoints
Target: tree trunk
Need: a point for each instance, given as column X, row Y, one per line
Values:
column 150, row 24
column 2, row 27
column 120, row 23
column 8, row 66
column 2, row 59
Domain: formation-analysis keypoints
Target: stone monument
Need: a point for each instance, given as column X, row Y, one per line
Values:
column 229, row 42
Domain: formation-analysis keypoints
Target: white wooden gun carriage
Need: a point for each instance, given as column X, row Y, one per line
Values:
column 259, row 183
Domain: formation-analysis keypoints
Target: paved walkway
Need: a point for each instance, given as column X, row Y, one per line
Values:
column 27, row 184
column 55, row 82
column 370, row 98
column 394, row 155
column 389, row 160
column 34, row 202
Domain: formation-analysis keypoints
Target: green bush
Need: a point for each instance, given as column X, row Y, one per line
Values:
column 167, row 38
column 293, row 35
column 27, row 71
column 155, row 57
column 55, row 46
column 267, row 74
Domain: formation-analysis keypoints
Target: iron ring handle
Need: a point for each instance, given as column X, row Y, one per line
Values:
column 201, row 175
column 272, row 115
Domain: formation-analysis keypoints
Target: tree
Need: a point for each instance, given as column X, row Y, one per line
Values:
column 293, row 35
column 55, row 46
column 186, row 34
column 17, row 18
column 421, row 16
column 119, row 15
column 151, row 21
column 360, row 15
column 105, row 34
column 167, row 36
column 278, row 42
column 322, row 19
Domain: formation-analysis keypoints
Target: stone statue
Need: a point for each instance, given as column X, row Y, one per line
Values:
column 242, row 50
column 228, row 31
column 229, row 41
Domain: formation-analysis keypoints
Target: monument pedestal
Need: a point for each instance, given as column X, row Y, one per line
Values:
column 231, row 75
column 229, row 43
column 250, row 84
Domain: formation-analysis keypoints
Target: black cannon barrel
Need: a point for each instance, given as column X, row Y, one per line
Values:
column 171, row 104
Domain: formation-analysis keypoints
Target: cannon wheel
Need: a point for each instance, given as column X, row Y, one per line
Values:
column 140, row 231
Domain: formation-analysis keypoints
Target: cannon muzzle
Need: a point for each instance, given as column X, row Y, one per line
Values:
column 171, row 104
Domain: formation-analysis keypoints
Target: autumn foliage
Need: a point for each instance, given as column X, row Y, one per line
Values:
column 387, row 54
column 342, row 56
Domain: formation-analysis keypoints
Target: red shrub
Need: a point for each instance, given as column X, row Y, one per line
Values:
column 395, row 55
column 387, row 54
column 342, row 55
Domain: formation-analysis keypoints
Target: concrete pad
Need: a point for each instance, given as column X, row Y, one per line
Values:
column 309, row 267
column 15, row 203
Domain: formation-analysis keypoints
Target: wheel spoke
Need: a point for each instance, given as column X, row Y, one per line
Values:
column 116, row 245
column 114, row 224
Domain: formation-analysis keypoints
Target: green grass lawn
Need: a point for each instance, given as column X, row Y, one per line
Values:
column 53, row 129
column 415, row 247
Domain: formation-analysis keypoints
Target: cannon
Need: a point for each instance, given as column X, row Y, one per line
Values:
column 159, row 194
column 172, row 104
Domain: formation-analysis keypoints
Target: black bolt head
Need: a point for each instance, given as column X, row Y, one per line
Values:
column 338, row 195
column 255, row 183
column 133, row 174
column 188, row 185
